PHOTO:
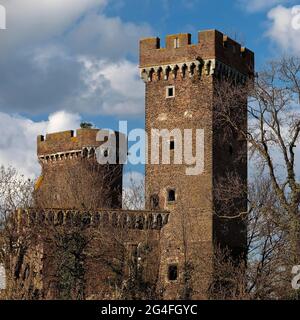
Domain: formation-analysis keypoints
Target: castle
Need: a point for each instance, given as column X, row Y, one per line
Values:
column 170, row 244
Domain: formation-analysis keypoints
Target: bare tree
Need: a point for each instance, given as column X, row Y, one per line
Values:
column 134, row 194
column 69, row 253
column 274, row 190
column 16, row 192
column 82, row 185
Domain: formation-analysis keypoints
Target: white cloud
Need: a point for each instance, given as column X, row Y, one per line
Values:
column 29, row 21
column 80, row 25
column 112, row 88
column 260, row 5
column 283, row 28
column 62, row 120
column 43, row 53
column 124, row 78
column 63, row 55
column 109, row 37
column 51, row 80
column 18, row 138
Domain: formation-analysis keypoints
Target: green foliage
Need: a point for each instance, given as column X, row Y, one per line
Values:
column 86, row 125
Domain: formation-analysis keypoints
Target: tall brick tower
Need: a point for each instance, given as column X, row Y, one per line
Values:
column 181, row 82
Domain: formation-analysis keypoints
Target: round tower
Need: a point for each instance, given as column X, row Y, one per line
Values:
column 71, row 175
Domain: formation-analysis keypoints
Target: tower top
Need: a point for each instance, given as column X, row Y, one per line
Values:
column 211, row 45
column 68, row 141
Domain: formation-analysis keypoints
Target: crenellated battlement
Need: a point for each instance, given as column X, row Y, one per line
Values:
column 214, row 51
column 68, row 145
column 130, row 219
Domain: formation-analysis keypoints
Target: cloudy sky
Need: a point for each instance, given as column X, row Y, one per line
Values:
column 62, row 62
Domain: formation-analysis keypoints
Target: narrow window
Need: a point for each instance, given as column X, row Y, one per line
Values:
column 170, row 92
column 172, row 145
column 92, row 153
column 159, row 221
column 60, row 218
column 33, row 218
column 97, row 218
column 85, row 152
column 50, row 218
column 69, row 219
column 230, row 149
column 86, row 220
column 173, row 272
column 171, row 195
column 154, row 200
column 176, row 43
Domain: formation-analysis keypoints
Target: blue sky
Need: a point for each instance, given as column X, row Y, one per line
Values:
column 237, row 19
column 62, row 62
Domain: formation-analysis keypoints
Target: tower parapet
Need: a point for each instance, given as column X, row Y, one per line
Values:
column 71, row 175
column 106, row 218
column 215, row 53
column 67, row 144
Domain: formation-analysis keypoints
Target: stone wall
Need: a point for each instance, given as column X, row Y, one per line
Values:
column 111, row 245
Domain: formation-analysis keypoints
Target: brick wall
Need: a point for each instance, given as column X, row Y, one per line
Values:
column 72, row 177
column 193, row 229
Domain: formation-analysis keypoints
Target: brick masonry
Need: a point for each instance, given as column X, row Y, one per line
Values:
column 193, row 229
column 69, row 161
column 185, row 234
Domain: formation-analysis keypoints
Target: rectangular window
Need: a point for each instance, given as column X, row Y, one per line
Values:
column 176, row 43
column 171, row 195
column 173, row 272
column 172, row 145
column 170, row 92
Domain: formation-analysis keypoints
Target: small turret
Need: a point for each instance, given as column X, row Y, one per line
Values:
column 71, row 174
